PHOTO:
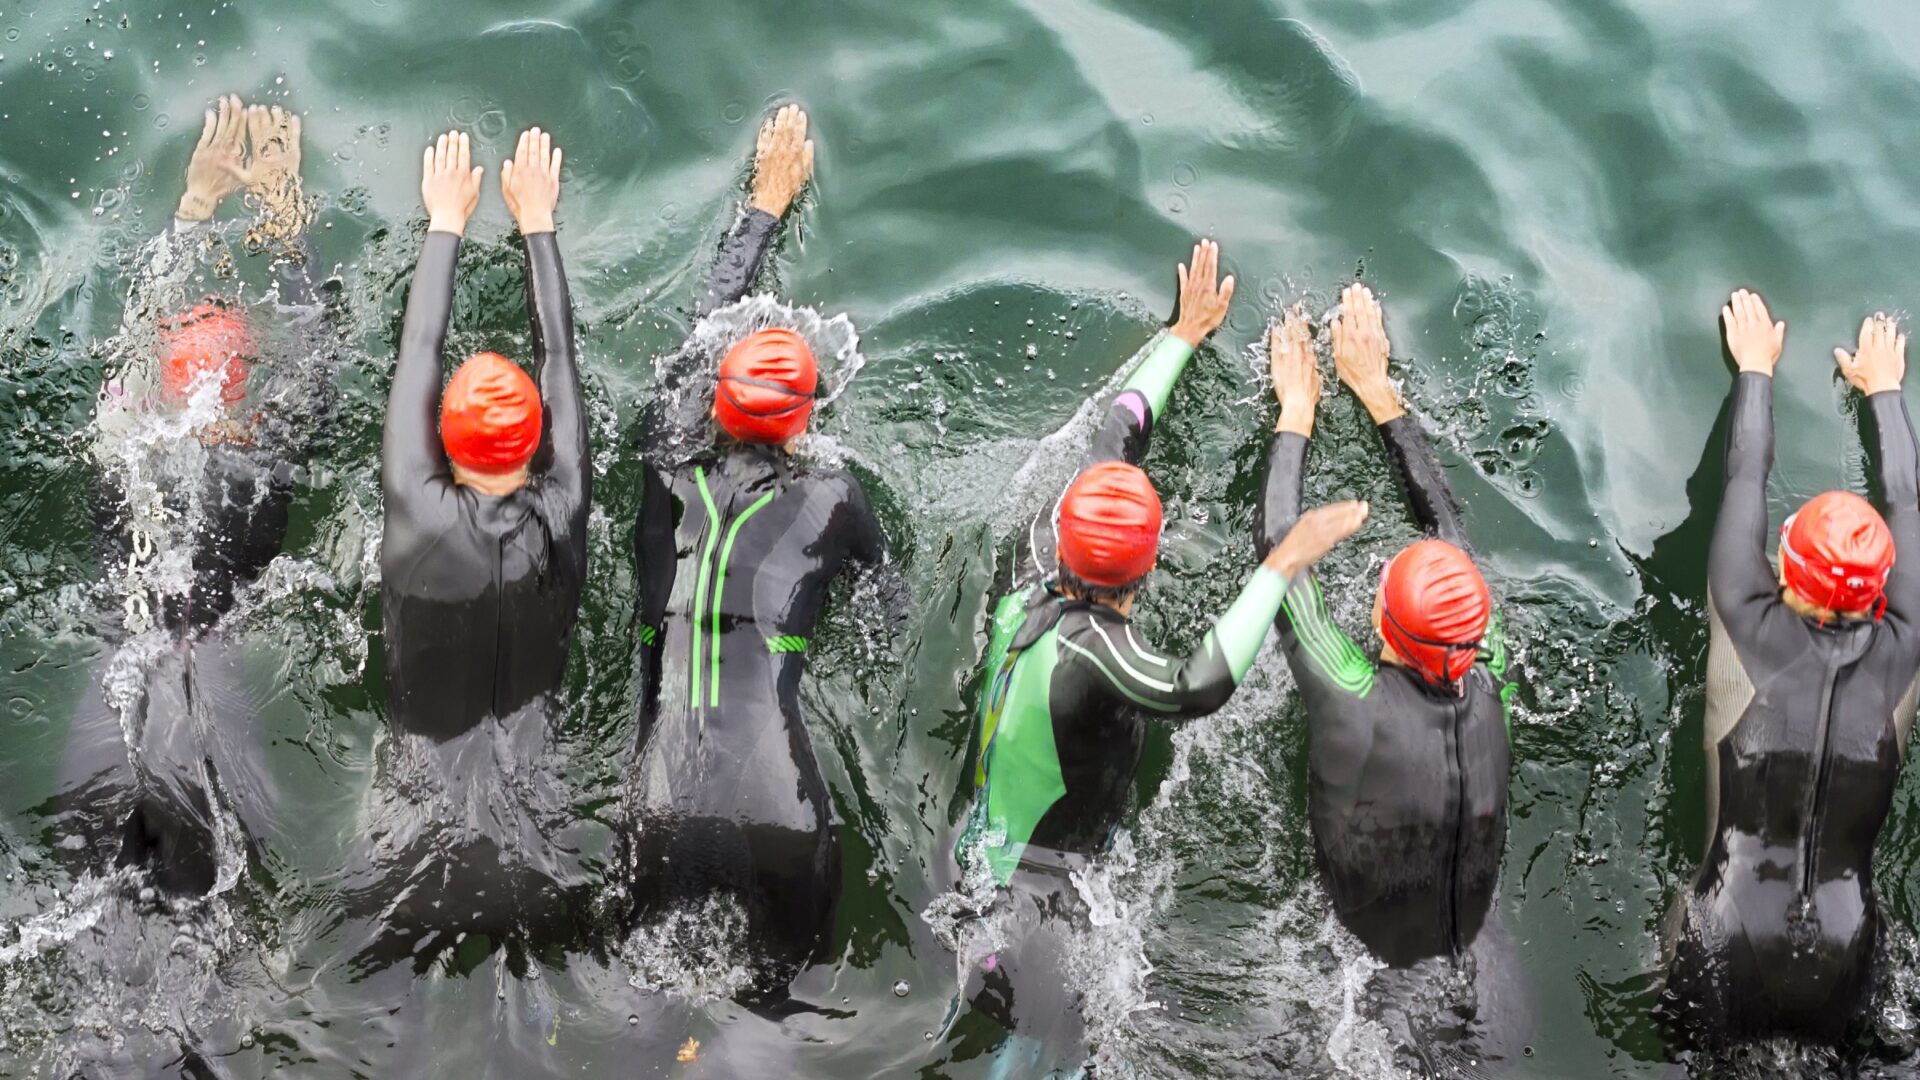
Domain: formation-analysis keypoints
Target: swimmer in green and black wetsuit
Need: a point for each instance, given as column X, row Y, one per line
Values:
column 735, row 545
column 1071, row 686
column 1408, row 756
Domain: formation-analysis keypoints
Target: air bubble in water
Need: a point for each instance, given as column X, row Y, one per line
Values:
column 902, row 988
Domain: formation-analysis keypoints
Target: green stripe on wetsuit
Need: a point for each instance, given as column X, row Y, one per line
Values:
column 787, row 643
column 700, row 631
column 1155, row 376
column 1330, row 650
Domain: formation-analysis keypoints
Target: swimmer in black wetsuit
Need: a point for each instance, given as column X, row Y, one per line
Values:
column 1810, row 698
column 166, row 730
column 1408, row 758
column 735, row 544
column 1071, row 688
column 485, row 489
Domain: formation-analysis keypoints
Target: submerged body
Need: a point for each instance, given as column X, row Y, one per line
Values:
column 1407, row 781
column 736, row 546
column 1805, row 732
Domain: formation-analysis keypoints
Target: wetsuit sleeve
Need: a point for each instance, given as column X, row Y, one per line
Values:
column 1135, row 675
column 860, row 526
column 1739, row 576
column 742, row 254
column 411, row 455
column 562, row 457
column 1425, row 483
column 1898, row 457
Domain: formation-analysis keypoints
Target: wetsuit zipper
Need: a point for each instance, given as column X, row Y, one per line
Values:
column 1459, row 827
column 1810, row 836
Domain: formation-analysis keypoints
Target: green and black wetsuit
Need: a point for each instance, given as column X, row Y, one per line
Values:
column 1407, row 781
column 735, row 546
column 1070, row 690
column 1806, row 729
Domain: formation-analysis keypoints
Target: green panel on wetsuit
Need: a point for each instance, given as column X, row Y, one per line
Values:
column 1497, row 661
column 1022, row 762
column 1330, row 650
column 1155, row 376
column 1008, row 615
column 1243, row 629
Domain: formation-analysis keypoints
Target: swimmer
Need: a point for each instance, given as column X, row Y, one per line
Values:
column 486, row 489
column 735, row 545
column 1810, row 699
column 148, row 768
column 1408, row 756
column 1071, row 686
column 485, row 486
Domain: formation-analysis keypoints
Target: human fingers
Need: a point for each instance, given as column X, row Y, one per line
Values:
column 553, row 167
column 206, row 131
column 1226, row 291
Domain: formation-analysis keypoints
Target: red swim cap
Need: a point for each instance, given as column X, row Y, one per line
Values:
column 211, row 337
column 490, row 415
column 1110, row 525
column 766, row 387
column 1434, row 609
column 1836, row 552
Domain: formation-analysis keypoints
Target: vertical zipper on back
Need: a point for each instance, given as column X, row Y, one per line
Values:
column 1816, row 799
column 1459, row 827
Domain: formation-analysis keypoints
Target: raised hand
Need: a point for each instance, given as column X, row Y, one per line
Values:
column 1753, row 338
column 1360, row 353
column 1203, row 297
column 783, row 160
column 450, row 186
column 1880, row 363
column 274, row 136
column 530, row 181
column 1296, row 377
column 1314, row 535
column 217, row 167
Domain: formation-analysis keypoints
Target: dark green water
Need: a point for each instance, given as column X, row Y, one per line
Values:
column 1552, row 197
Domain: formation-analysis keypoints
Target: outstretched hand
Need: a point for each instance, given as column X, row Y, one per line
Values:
column 450, row 186
column 1880, row 363
column 1296, row 377
column 217, row 167
column 530, row 181
column 1753, row 338
column 783, row 160
column 1360, row 353
column 1315, row 534
column 1203, row 295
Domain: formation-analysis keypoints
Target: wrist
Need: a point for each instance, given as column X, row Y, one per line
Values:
column 768, row 202
column 535, row 223
column 1297, row 419
column 1191, row 334
column 1281, row 560
column 1754, row 369
column 1382, row 404
column 447, row 223
column 196, row 206
column 1881, row 388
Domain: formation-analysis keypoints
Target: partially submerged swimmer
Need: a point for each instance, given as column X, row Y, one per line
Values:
column 148, row 762
column 735, row 545
column 1071, row 687
column 1408, row 757
column 1810, row 700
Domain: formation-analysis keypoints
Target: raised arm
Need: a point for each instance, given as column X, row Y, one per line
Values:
column 1128, row 428
column 782, row 165
column 411, row 451
column 530, row 184
column 1206, row 678
column 1738, row 573
column 1877, row 369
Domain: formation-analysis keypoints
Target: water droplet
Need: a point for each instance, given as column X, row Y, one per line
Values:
column 632, row 1020
column 1184, row 174
column 902, row 988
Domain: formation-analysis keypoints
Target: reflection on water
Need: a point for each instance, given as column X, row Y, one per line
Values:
column 1552, row 197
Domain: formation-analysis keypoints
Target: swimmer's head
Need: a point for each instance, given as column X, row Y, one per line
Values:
column 1109, row 530
column 490, row 422
column 1836, row 553
column 210, row 341
column 766, row 387
column 1432, row 610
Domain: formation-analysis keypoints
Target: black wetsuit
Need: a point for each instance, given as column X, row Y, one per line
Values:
column 147, row 755
column 472, row 829
column 1407, row 781
column 735, row 546
column 1806, row 726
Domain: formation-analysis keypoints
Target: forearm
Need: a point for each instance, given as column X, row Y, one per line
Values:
column 556, row 366
column 1898, row 454
column 1281, row 497
column 1425, row 483
column 1737, row 564
column 1243, row 629
column 742, row 254
column 1155, row 376
column 410, row 446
